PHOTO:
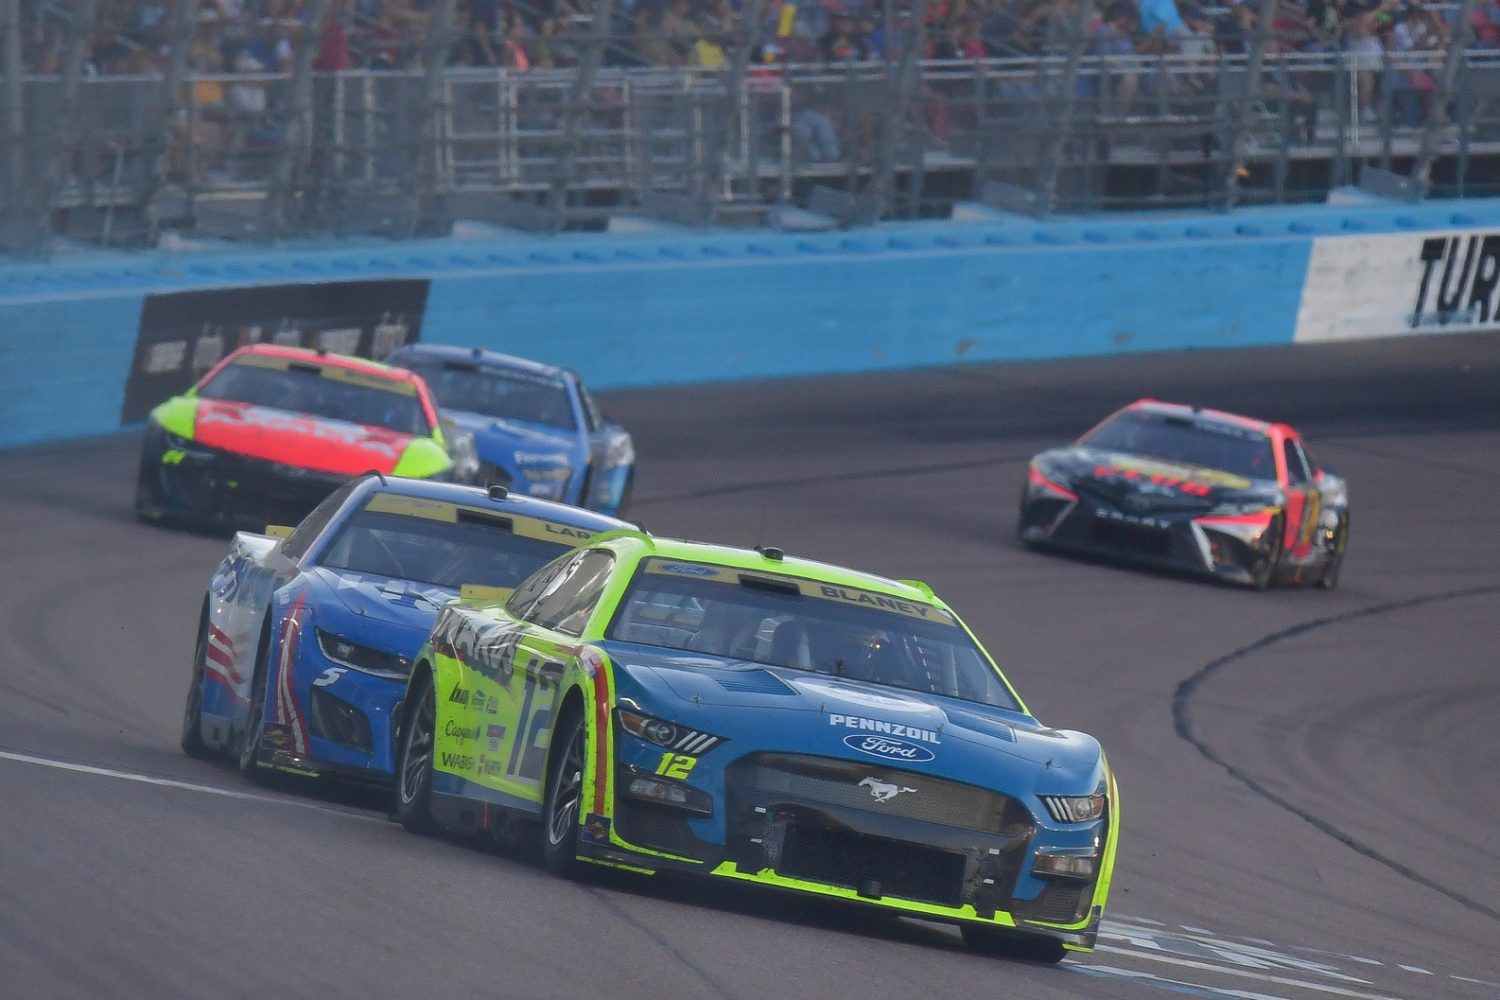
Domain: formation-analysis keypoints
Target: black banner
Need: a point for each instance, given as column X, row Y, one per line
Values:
column 184, row 334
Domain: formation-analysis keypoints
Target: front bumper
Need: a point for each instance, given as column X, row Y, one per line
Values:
column 1193, row 542
column 950, row 852
column 222, row 488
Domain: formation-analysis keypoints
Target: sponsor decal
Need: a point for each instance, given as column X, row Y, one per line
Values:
column 884, row 727
column 688, row 569
column 889, row 749
column 458, row 732
column 1158, row 479
column 882, row 601
column 1106, row 514
column 494, row 734
column 486, row 645
column 459, row 695
column 490, row 767
column 238, row 416
column 1458, row 282
column 182, row 335
column 457, row 761
column 884, row 791
column 277, row 735
column 595, row 829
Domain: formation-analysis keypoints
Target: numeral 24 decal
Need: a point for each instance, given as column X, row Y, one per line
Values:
column 526, row 757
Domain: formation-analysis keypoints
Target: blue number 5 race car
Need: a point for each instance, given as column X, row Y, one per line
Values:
column 675, row 706
column 305, row 641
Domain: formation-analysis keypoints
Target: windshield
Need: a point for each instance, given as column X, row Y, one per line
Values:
column 411, row 539
column 305, row 389
column 493, row 392
column 1207, row 444
column 806, row 625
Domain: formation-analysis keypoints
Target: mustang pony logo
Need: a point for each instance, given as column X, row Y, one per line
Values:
column 883, row 791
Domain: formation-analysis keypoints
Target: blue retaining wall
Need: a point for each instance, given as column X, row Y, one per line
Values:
column 673, row 307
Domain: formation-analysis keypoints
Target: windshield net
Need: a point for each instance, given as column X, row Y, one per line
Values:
column 440, row 544
column 307, row 390
column 806, row 625
column 1243, row 451
column 509, row 395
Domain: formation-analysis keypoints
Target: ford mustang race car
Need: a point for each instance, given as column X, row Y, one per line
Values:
column 270, row 431
column 675, row 706
column 1192, row 489
column 536, row 429
column 305, row 641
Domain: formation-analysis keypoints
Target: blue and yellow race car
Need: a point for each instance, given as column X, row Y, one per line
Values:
column 662, row 705
column 306, row 636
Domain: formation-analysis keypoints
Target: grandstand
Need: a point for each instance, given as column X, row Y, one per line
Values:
column 262, row 119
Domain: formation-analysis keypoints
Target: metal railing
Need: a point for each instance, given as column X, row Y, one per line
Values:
column 118, row 159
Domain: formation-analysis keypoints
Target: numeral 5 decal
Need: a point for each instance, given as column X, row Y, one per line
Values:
column 676, row 765
column 329, row 676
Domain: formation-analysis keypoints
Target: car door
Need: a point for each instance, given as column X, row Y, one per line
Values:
column 1303, row 501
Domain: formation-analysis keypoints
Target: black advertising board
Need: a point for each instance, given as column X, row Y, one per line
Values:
column 184, row 334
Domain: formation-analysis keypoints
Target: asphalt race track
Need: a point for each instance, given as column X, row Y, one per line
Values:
column 1310, row 780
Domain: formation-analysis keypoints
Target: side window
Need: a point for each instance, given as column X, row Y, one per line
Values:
column 535, row 586
column 1297, row 472
column 569, row 599
column 299, row 541
column 590, row 411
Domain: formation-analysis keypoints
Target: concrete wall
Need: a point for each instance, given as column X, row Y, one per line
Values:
column 675, row 307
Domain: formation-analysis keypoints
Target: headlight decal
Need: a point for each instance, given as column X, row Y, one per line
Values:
column 1075, row 808
column 363, row 658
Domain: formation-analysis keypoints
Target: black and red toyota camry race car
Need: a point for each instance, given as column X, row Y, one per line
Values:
column 1192, row 489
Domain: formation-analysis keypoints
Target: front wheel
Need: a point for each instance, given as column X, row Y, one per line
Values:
column 564, row 796
column 255, row 722
column 1026, row 947
column 1335, row 561
column 192, row 712
column 1263, row 571
column 414, row 768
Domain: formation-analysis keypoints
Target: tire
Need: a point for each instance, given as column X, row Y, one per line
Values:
column 1025, row 947
column 1263, row 572
column 564, row 796
column 192, row 712
column 1335, row 564
column 414, row 766
column 249, row 750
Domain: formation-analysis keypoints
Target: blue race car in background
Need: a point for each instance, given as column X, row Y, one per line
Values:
column 535, row 428
column 305, row 641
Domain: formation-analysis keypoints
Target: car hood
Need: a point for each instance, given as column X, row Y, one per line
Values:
column 1115, row 474
column 299, row 439
column 404, row 611
column 798, row 711
column 497, row 440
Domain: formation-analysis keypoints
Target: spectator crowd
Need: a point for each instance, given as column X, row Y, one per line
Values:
column 260, row 36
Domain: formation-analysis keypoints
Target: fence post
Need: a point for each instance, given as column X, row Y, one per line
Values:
column 15, row 122
column 431, row 140
column 582, row 90
column 1249, row 96
column 1052, row 158
column 1421, row 169
column 295, row 121
column 901, row 81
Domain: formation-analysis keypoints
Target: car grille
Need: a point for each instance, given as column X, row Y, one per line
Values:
column 1132, row 537
column 838, row 823
column 874, row 866
column 1058, row 904
column 657, row 827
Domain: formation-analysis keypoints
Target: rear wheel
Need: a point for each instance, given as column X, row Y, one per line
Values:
column 414, row 768
column 564, row 796
column 1026, row 947
column 1263, row 570
column 192, row 712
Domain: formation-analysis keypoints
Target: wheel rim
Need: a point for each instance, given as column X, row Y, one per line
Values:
column 418, row 748
column 569, row 785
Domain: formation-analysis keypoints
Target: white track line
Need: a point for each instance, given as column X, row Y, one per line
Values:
column 146, row 779
column 1228, row 971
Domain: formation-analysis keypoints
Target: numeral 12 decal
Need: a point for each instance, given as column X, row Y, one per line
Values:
column 526, row 757
column 676, row 765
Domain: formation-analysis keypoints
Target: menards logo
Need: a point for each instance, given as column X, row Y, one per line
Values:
column 1460, row 276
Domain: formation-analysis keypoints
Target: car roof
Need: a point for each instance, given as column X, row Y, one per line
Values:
column 320, row 357
column 1206, row 415
column 481, row 357
column 511, row 503
column 758, row 559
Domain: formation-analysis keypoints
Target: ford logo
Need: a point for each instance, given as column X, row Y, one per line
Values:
column 887, row 748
